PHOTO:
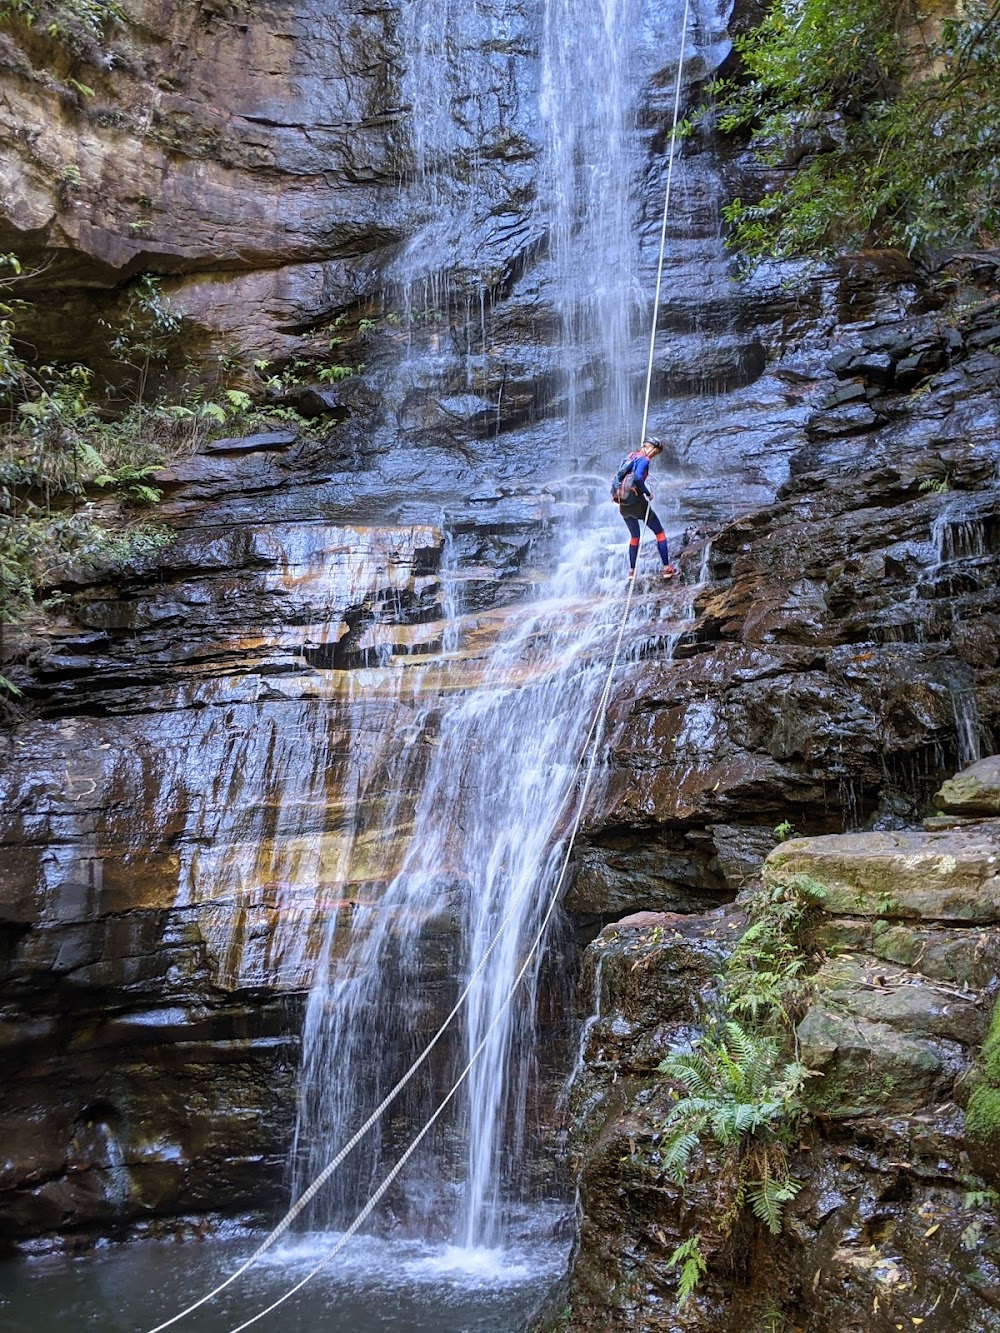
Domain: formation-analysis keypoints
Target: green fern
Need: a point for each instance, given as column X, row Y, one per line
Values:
column 740, row 1087
column 689, row 1258
column 767, row 1199
column 10, row 687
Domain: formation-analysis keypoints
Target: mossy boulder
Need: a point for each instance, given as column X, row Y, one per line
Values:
column 948, row 876
column 982, row 1112
column 974, row 791
column 880, row 1044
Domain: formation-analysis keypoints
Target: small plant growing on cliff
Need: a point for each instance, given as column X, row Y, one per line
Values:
column 147, row 331
column 691, row 1262
column 744, row 1094
column 131, row 483
column 764, row 979
column 332, row 374
column 78, row 26
column 740, row 1088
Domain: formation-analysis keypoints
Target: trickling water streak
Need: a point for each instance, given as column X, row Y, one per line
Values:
column 586, row 70
column 968, row 726
column 705, row 567
column 956, row 538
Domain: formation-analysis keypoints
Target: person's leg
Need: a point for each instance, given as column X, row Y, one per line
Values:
column 633, row 541
column 656, row 528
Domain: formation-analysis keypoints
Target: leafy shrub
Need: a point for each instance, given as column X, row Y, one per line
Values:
column 883, row 136
column 740, row 1085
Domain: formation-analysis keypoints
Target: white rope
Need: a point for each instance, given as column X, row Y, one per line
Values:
column 310, row 1193
column 594, row 734
column 666, row 211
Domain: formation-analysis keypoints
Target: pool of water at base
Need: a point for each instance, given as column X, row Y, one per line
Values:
column 373, row 1286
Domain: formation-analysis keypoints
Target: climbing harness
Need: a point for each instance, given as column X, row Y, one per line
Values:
column 592, row 742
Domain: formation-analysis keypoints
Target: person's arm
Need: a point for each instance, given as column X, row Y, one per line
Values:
column 641, row 471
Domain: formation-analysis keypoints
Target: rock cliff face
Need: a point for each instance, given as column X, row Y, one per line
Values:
column 204, row 780
column 894, row 1222
column 207, row 731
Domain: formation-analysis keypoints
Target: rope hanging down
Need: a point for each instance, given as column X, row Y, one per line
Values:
column 593, row 742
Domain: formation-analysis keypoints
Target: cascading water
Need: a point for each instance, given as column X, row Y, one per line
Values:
column 588, row 105
column 498, row 790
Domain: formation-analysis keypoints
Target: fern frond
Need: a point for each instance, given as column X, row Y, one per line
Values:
column 689, row 1258
column 767, row 1199
column 677, row 1152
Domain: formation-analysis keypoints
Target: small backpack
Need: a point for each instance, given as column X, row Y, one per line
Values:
column 624, row 489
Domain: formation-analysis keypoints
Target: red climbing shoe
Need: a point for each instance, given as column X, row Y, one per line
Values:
column 669, row 571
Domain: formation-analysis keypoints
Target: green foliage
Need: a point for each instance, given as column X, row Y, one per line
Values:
column 689, row 1258
column 61, row 446
column 740, row 1086
column 104, row 549
column 8, row 687
column 764, row 972
column 130, row 482
column 79, row 26
column 238, row 400
column 784, row 830
column 56, row 448
column 331, row 374
column 147, row 330
column 981, row 1199
column 894, row 136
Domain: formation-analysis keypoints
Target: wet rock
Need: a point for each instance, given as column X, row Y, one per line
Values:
column 975, row 791
column 949, row 876
column 876, row 366
column 849, row 419
column 894, row 1019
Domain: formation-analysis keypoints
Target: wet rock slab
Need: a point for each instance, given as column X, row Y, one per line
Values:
column 905, row 951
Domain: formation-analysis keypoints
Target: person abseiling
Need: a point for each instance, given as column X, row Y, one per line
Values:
column 634, row 500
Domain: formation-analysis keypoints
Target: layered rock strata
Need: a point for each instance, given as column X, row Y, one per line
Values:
column 200, row 721
column 894, row 1223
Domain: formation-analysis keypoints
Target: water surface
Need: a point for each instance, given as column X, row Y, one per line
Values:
column 373, row 1286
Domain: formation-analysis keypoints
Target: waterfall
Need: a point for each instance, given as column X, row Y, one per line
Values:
column 588, row 100
column 492, row 803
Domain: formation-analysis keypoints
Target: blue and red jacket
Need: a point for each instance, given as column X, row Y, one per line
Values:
column 636, row 478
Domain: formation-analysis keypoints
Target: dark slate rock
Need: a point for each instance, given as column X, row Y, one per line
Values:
column 314, row 400
column 875, row 366
column 891, row 340
column 249, row 444
column 848, row 419
column 841, row 364
column 984, row 337
column 848, row 393
column 918, row 365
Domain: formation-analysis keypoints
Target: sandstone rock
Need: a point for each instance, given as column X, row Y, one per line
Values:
column 949, row 876
column 974, row 791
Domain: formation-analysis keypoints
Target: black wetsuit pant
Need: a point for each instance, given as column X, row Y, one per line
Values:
column 632, row 514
